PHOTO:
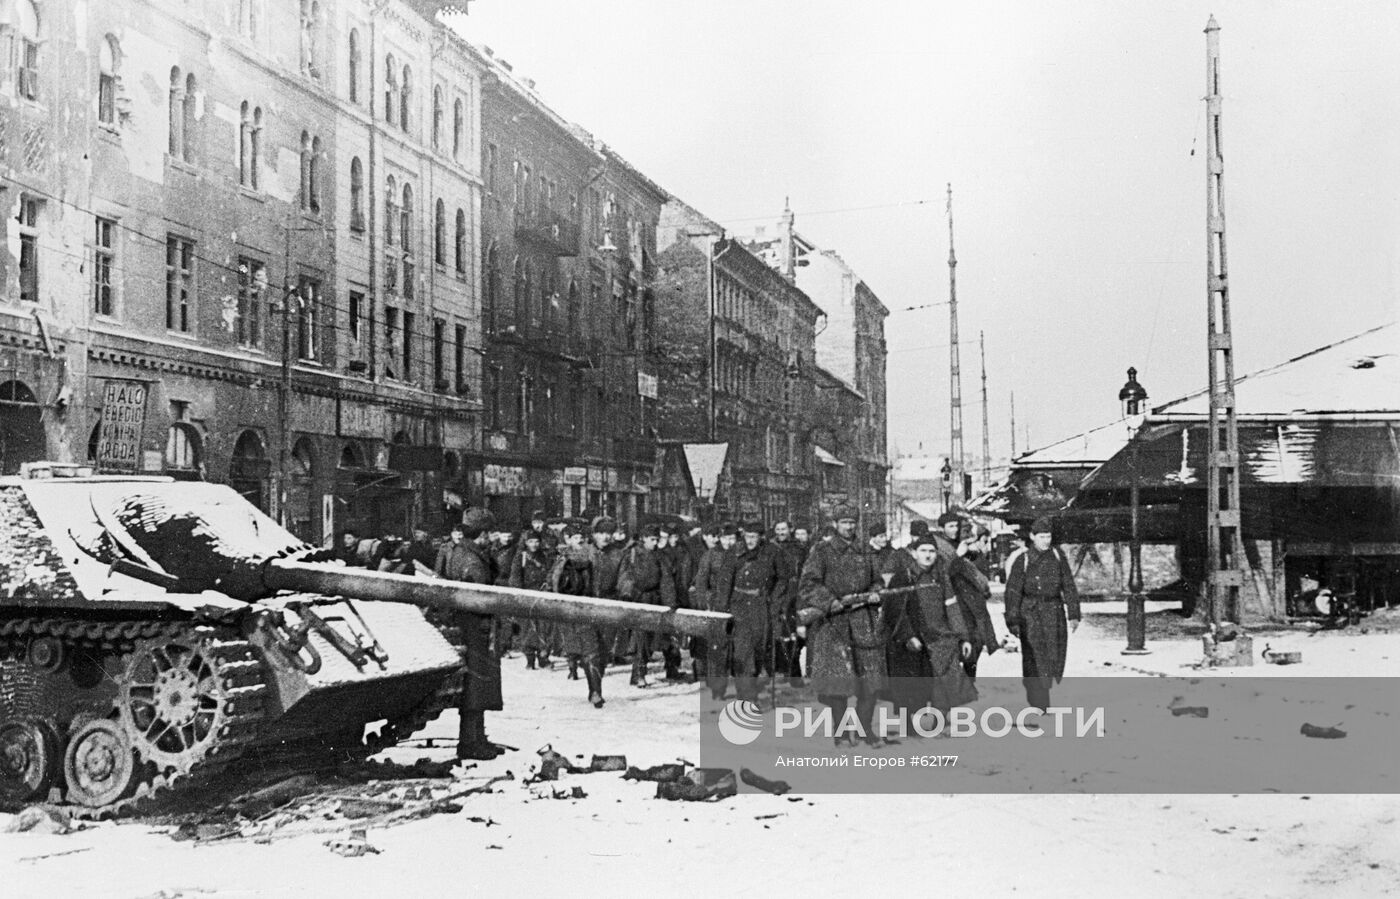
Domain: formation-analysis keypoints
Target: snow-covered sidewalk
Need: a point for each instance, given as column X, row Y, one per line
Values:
column 619, row 840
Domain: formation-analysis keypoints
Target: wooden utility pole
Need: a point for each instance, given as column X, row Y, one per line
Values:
column 986, row 427
column 955, row 453
column 1225, row 546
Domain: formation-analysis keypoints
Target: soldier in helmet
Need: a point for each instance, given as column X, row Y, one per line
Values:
column 466, row 557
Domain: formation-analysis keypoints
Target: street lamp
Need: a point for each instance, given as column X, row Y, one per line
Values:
column 947, row 472
column 1134, row 398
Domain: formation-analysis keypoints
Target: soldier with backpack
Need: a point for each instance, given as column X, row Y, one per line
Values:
column 1040, row 592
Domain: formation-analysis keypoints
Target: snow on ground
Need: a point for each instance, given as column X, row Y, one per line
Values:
column 619, row 840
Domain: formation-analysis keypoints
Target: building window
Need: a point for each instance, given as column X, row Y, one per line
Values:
column 107, row 57
column 28, row 221
column 520, row 292
column 248, row 18
column 179, row 284
column 252, row 284
column 491, row 169
column 457, row 125
column 391, row 88
column 405, row 239
column 104, row 254
column 439, row 347
column 391, row 216
column 437, row 116
column 405, row 97
column 26, row 50
column 357, row 195
column 459, row 352
column 354, row 66
column 460, row 245
column 408, row 318
column 391, row 328
column 188, row 129
column 249, row 144
column 182, row 449
column 308, row 311
column 493, row 289
column 357, row 306
column 440, row 233
column 177, row 113
column 491, row 395
column 310, row 173
column 310, row 38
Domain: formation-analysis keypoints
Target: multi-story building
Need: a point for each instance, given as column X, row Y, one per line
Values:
column 739, row 340
column 263, row 219
column 851, row 348
column 569, row 248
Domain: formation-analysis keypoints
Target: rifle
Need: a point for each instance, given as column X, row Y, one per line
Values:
column 853, row 602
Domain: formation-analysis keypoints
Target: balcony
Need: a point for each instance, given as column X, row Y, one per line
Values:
column 548, row 230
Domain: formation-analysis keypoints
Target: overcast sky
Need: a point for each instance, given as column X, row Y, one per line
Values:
column 1066, row 129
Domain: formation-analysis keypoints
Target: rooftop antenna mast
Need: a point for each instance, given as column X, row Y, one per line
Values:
column 955, row 453
column 1225, row 547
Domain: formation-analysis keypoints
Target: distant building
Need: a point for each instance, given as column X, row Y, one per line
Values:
column 851, row 348
column 738, row 382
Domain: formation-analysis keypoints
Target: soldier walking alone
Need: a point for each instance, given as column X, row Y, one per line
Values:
column 1039, row 592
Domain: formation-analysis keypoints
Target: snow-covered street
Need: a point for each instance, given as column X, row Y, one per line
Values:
column 620, row 840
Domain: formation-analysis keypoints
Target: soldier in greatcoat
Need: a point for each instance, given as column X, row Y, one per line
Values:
column 973, row 591
column 702, row 589
column 752, row 586
column 465, row 557
column 643, row 579
column 529, row 570
column 845, row 644
column 573, row 574
column 928, row 637
column 1040, row 593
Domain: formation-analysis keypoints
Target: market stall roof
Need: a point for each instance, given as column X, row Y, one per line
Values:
column 1313, row 453
column 1358, row 376
column 1082, row 450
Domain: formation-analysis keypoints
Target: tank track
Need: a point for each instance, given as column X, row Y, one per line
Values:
column 235, row 667
column 238, row 669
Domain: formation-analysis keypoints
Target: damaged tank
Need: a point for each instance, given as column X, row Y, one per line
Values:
column 155, row 632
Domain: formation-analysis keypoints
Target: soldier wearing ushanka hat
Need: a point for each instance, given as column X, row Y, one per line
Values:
column 1040, row 595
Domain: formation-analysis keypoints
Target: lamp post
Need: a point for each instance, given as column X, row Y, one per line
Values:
column 947, row 473
column 1133, row 397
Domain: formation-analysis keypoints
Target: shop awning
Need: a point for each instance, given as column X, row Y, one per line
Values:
column 827, row 458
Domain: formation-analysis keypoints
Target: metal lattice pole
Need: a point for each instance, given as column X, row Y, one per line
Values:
column 955, row 453
column 1224, row 544
column 986, row 426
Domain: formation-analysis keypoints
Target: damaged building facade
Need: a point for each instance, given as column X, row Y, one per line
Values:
column 262, row 221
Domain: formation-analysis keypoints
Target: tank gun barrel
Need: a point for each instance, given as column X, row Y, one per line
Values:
column 483, row 599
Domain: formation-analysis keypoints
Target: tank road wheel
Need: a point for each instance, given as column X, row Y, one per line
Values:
column 175, row 702
column 47, row 654
column 98, row 765
column 28, row 760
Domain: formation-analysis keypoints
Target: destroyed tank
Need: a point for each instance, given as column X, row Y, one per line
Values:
column 154, row 632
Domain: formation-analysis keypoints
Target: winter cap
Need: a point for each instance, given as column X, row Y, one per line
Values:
column 918, row 528
column 877, row 529
column 947, row 517
column 752, row 526
column 844, row 513
column 477, row 520
column 604, row 525
column 1041, row 525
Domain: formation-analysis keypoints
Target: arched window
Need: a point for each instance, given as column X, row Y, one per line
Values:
column 182, row 450
column 391, row 88
column 26, row 52
column 391, row 219
column 305, row 171
column 255, row 150
column 188, row 130
column 493, row 289
column 437, row 116
column 405, row 97
column 461, row 243
column 248, row 468
column 440, row 233
column 311, row 38
column 457, row 126
column 518, row 288
column 107, row 59
column 354, row 66
column 352, row 456
column 177, row 112
column 245, row 144
column 406, row 220
column 357, row 195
